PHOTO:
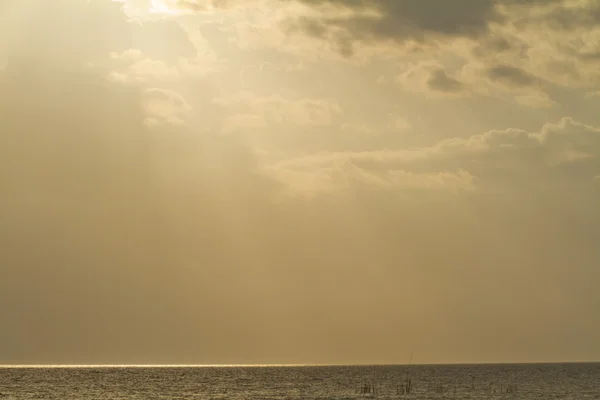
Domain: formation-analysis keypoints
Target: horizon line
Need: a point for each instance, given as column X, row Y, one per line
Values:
column 262, row 365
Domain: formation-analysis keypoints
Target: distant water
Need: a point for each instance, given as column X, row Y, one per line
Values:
column 544, row 382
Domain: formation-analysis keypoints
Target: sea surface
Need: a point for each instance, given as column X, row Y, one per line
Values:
column 524, row 381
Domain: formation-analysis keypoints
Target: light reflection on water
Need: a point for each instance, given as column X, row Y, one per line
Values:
column 543, row 381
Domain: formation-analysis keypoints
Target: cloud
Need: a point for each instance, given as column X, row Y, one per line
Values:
column 368, row 21
column 400, row 124
column 277, row 110
column 430, row 78
column 507, row 49
column 542, row 44
column 164, row 106
column 397, row 21
column 538, row 149
column 508, row 82
column 141, row 69
column 563, row 154
column 441, row 82
column 511, row 76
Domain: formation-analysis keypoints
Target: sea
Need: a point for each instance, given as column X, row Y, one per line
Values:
column 521, row 381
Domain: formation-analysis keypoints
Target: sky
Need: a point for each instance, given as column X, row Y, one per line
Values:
column 299, row 181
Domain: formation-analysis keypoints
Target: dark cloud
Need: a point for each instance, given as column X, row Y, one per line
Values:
column 512, row 76
column 498, row 44
column 563, row 17
column 493, row 45
column 401, row 20
column 563, row 63
column 422, row 20
column 440, row 81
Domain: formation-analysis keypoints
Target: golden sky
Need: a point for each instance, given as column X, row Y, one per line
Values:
column 299, row 181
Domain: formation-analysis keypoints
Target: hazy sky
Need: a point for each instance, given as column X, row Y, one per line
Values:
column 299, row 181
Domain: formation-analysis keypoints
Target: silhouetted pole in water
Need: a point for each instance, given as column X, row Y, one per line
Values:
column 401, row 389
column 367, row 388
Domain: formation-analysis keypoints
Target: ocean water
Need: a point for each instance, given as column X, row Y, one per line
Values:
column 543, row 381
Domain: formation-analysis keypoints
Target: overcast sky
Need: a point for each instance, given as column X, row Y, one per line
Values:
column 299, row 181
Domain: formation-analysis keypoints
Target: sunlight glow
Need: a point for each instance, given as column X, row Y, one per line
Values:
column 160, row 7
column 173, row 7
